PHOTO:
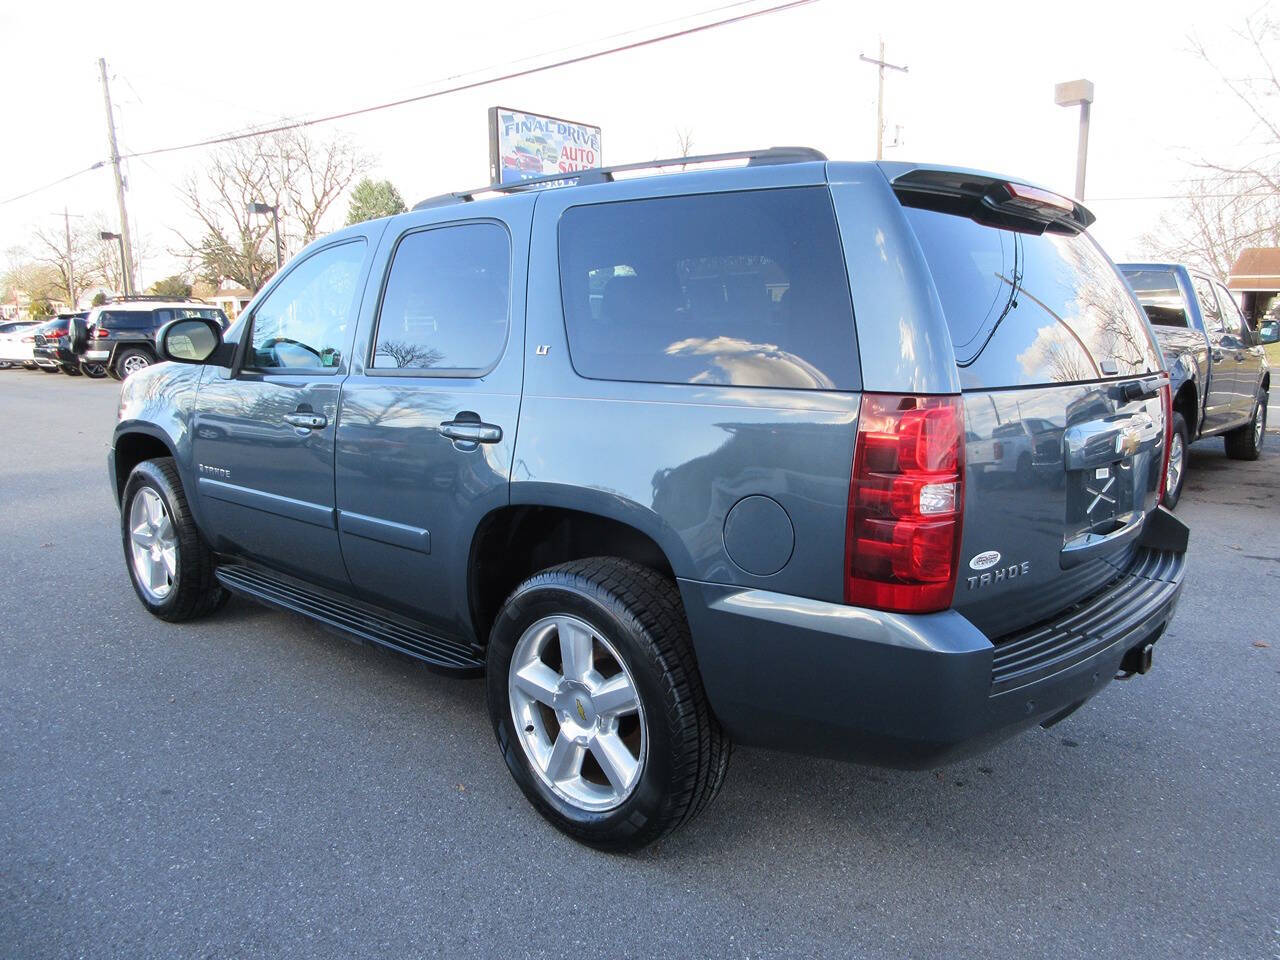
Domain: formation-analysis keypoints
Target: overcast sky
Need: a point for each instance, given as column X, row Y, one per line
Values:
column 979, row 92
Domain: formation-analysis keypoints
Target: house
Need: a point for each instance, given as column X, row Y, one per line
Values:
column 1255, row 276
column 232, row 300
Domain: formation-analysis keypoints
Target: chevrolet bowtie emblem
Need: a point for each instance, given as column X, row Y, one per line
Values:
column 581, row 712
column 1128, row 441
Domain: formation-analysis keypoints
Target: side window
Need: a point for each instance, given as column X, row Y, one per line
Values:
column 446, row 301
column 1208, row 303
column 162, row 317
column 737, row 289
column 305, row 322
column 1232, row 318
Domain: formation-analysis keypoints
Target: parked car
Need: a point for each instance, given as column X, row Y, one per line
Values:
column 710, row 506
column 119, row 338
column 51, row 348
column 1219, row 370
column 17, row 338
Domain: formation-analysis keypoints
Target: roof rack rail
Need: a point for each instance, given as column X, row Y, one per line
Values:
column 754, row 158
column 153, row 298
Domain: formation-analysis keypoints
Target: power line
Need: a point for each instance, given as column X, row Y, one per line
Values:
column 54, row 183
column 473, row 84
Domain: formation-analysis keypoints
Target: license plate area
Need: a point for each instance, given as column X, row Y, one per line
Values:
column 1100, row 498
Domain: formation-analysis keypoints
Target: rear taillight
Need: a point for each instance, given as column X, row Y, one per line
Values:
column 55, row 334
column 1166, row 398
column 906, row 498
column 99, row 333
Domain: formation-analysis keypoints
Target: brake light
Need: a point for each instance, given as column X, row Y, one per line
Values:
column 99, row 333
column 55, row 334
column 1166, row 397
column 1035, row 200
column 906, row 498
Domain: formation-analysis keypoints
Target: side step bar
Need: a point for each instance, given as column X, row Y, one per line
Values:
column 445, row 656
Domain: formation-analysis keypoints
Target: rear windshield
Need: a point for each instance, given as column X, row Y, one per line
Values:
column 1028, row 309
column 1160, row 296
column 741, row 289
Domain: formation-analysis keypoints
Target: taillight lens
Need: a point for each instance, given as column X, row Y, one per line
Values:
column 1166, row 397
column 99, row 333
column 55, row 334
column 906, row 498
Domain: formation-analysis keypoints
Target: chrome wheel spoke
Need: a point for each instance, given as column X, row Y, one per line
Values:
column 143, row 536
column 539, row 681
column 169, row 558
column 616, row 760
column 565, row 759
column 575, row 649
column 616, row 697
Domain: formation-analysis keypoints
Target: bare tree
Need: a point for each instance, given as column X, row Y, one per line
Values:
column 75, row 268
column 1254, row 80
column 319, row 173
column 406, row 354
column 302, row 177
column 684, row 141
column 1219, row 217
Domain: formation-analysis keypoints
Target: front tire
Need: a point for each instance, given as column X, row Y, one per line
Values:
column 1245, row 443
column 169, row 564
column 1176, row 475
column 598, row 706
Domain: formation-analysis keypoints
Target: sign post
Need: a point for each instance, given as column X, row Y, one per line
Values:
column 527, row 145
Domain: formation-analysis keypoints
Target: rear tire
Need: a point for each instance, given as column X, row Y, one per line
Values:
column 1245, row 443
column 132, row 360
column 1176, row 475
column 679, row 748
column 47, row 369
column 71, row 370
column 94, row 369
column 182, row 587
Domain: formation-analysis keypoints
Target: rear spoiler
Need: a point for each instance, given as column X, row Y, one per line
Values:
column 987, row 198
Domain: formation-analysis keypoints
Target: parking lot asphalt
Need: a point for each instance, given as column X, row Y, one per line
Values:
column 254, row 786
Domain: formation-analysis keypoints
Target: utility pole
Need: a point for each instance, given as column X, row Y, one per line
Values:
column 71, row 265
column 125, row 244
column 880, row 63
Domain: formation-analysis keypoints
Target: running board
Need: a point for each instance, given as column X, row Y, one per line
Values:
column 446, row 656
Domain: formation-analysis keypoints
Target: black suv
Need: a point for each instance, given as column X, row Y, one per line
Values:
column 52, row 349
column 119, row 338
column 683, row 460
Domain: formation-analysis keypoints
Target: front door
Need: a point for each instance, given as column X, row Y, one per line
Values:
column 428, row 417
column 1248, row 355
column 263, row 435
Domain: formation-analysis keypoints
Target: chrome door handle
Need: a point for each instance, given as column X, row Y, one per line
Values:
column 306, row 421
column 471, row 431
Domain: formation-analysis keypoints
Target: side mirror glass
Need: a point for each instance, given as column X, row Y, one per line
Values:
column 189, row 340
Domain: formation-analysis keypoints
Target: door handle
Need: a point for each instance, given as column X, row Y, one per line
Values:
column 306, row 421
column 471, row 431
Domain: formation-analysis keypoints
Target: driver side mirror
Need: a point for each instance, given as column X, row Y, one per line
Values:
column 193, row 340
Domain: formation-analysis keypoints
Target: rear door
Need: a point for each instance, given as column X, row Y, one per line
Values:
column 1221, row 407
column 1064, row 421
column 263, row 434
column 428, row 420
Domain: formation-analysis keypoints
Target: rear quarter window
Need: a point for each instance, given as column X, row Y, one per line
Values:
column 1026, row 309
column 1160, row 296
column 744, row 289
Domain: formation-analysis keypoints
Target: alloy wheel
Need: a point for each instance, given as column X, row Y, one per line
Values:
column 577, row 713
column 1176, row 454
column 153, row 544
column 134, row 363
column 1259, row 423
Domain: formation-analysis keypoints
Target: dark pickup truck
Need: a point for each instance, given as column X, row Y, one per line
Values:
column 1216, row 362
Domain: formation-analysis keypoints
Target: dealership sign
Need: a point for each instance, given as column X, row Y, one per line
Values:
column 527, row 145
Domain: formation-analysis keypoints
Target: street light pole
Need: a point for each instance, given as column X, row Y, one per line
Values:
column 257, row 207
column 108, row 235
column 1070, row 94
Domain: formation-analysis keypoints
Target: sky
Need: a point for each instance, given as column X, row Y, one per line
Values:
column 978, row 93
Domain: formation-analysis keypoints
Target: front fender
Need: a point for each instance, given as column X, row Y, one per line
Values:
column 158, row 403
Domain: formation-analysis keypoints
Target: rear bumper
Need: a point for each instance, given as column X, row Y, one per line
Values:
column 914, row 690
column 96, row 355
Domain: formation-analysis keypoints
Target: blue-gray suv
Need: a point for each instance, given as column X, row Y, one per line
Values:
column 854, row 459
